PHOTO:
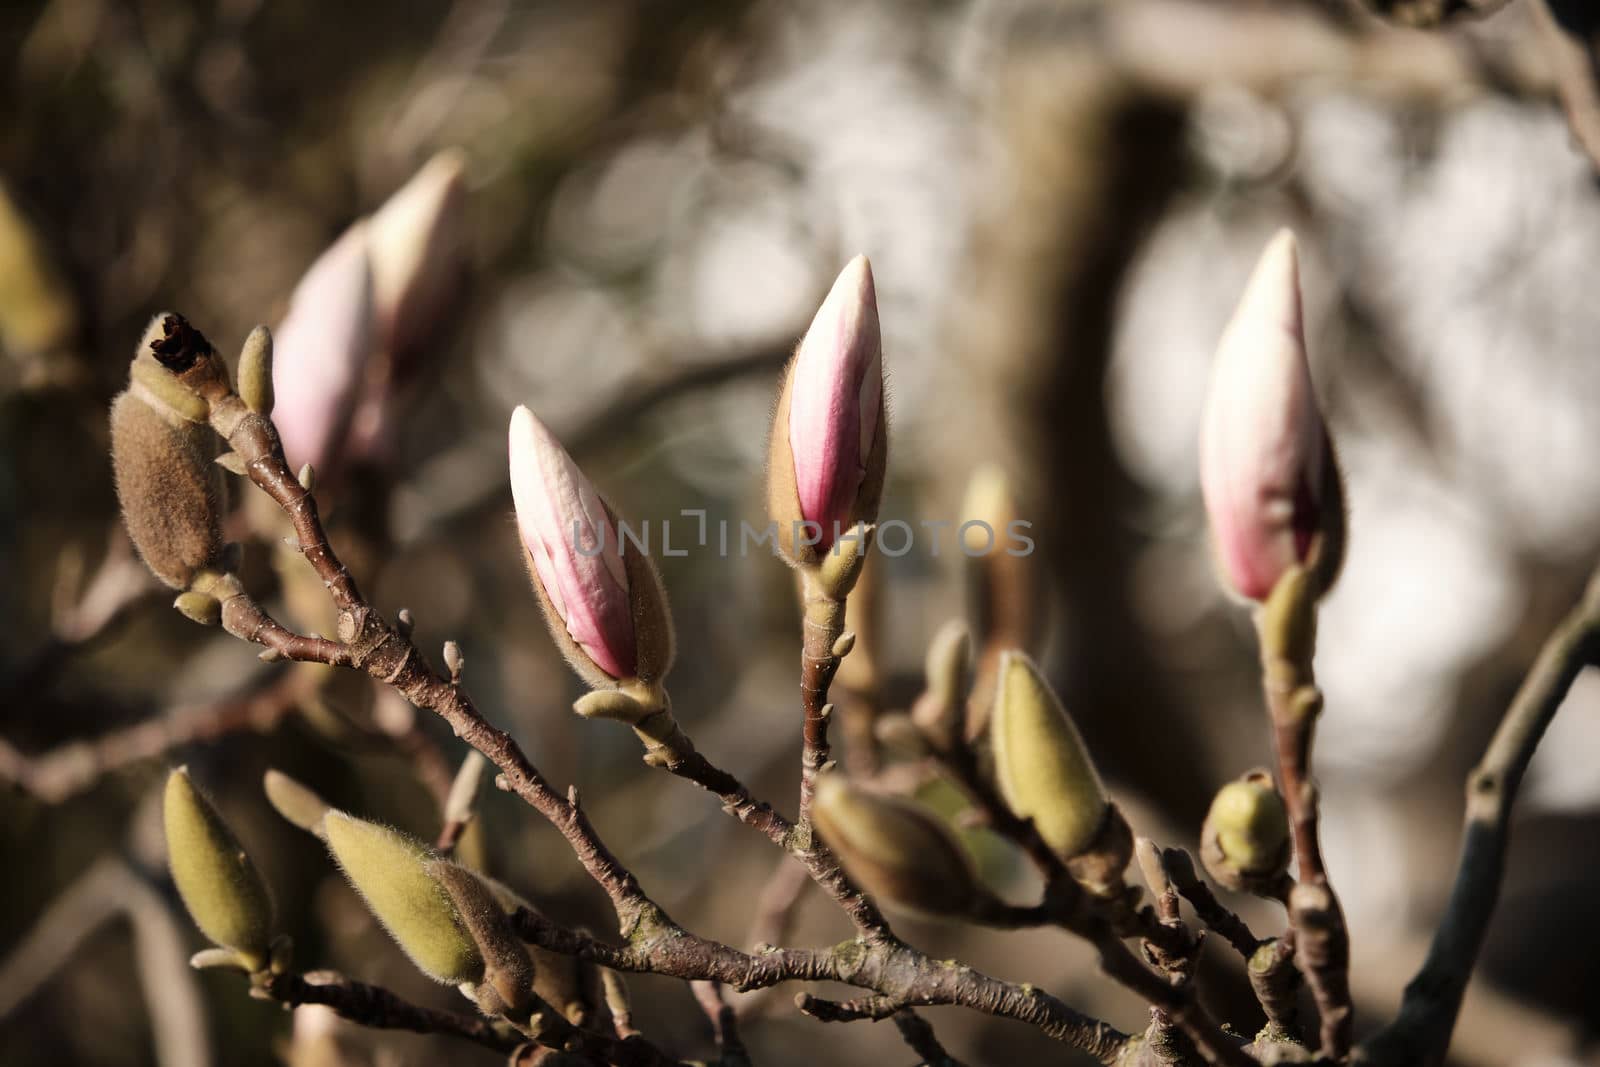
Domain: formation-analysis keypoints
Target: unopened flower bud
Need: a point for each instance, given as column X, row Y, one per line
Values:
column 418, row 241
column 1267, row 469
column 1040, row 762
column 320, row 351
column 295, row 802
column 895, row 849
column 170, row 489
column 255, row 371
column 202, row 608
column 1004, row 586
column 829, row 443
column 604, row 606
column 219, row 885
column 391, row 872
column 1244, row 842
column 507, row 969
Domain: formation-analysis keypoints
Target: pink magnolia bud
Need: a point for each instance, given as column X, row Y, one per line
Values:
column 1267, row 468
column 829, row 447
column 418, row 241
column 320, row 350
column 604, row 605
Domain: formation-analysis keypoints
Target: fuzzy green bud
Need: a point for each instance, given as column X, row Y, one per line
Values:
column 895, row 849
column 1041, row 764
column 939, row 713
column 255, row 371
column 219, row 885
column 202, row 608
column 507, row 969
column 1244, row 842
column 391, row 872
column 296, row 803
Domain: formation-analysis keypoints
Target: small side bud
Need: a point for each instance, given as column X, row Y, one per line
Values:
column 1244, row 842
column 612, row 704
column 1287, row 622
column 255, row 371
column 1148, row 854
column 208, row 959
column 454, row 661
column 895, row 849
column 202, row 608
column 295, row 802
column 219, row 885
column 841, row 567
column 391, row 872
column 307, row 477
column 506, row 967
column 463, row 794
column 1041, row 764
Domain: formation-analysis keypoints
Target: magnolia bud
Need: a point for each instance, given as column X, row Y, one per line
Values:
column 320, row 351
column 255, row 371
column 418, row 242
column 171, row 492
column 507, row 970
column 296, row 803
column 37, row 314
column 895, row 849
column 948, row 671
column 220, row 886
column 557, row 979
column 604, row 606
column 1040, row 762
column 1244, row 842
column 391, row 872
column 829, row 443
column 1267, row 469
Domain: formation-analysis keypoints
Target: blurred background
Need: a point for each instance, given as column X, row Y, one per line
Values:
column 1061, row 202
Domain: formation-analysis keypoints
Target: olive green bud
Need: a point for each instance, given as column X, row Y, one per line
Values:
column 202, row 608
column 1004, row 598
column 295, row 802
column 842, row 565
column 37, row 315
column 1041, row 764
column 1244, row 842
column 171, row 492
column 507, row 969
column 219, row 885
column 896, row 850
column 391, row 872
column 1288, row 619
column 255, row 371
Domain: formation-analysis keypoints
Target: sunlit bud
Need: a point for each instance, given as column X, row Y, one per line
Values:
column 895, row 849
column 829, row 437
column 418, row 240
column 605, row 606
column 320, row 351
column 220, row 886
column 255, row 371
column 507, row 968
column 296, row 803
column 391, row 872
column 202, row 608
column 1040, row 762
column 1267, row 468
column 1244, row 842
column 170, row 489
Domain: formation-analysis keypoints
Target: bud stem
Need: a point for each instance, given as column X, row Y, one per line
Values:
column 822, row 621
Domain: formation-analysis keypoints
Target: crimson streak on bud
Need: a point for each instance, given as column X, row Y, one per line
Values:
column 320, row 350
column 829, row 444
column 1267, row 468
column 605, row 607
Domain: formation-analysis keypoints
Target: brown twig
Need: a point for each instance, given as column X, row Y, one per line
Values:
column 724, row 1022
column 822, row 622
column 1420, row 1033
column 377, row 1007
column 919, row 1035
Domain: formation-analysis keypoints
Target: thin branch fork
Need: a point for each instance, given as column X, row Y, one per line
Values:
column 1420, row 1033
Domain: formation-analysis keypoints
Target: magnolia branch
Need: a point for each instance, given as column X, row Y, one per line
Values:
column 1420, row 1033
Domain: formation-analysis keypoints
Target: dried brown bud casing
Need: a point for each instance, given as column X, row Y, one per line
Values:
column 895, row 849
column 170, row 490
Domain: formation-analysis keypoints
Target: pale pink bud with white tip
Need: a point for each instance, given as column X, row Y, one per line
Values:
column 418, row 241
column 320, row 351
column 829, row 442
column 1267, row 469
column 604, row 605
